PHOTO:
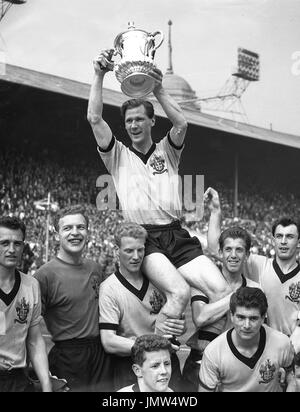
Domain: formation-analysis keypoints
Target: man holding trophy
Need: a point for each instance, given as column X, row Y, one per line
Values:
column 146, row 173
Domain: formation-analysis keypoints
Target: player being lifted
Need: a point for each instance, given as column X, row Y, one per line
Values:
column 173, row 259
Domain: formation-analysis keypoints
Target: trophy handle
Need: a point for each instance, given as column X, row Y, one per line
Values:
column 118, row 47
column 152, row 35
column 151, row 46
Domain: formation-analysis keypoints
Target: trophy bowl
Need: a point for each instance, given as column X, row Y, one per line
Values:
column 135, row 78
column 137, row 49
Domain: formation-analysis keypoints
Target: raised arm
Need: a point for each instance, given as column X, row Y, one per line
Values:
column 172, row 110
column 102, row 132
column 211, row 198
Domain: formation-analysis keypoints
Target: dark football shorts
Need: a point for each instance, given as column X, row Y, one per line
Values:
column 15, row 380
column 174, row 242
column 83, row 363
column 190, row 371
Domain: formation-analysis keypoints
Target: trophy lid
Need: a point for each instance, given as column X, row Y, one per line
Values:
column 131, row 27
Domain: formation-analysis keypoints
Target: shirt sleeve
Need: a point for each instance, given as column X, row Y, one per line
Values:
column 288, row 355
column 43, row 287
column 172, row 151
column 209, row 374
column 197, row 295
column 255, row 266
column 111, row 155
column 37, row 306
column 109, row 310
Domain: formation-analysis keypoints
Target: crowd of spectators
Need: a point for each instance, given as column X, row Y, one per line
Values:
column 25, row 179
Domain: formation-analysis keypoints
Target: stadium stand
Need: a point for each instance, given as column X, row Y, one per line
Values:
column 25, row 179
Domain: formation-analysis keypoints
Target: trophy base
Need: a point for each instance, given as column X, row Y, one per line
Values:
column 137, row 85
column 135, row 78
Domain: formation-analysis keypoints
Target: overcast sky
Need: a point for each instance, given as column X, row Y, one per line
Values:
column 61, row 37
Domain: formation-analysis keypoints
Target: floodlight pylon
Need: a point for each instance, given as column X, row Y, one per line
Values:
column 227, row 101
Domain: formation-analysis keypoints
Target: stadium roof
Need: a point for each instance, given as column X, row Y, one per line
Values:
column 31, row 78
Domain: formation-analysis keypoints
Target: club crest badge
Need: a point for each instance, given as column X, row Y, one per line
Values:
column 267, row 371
column 294, row 292
column 156, row 301
column 22, row 309
column 157, row 162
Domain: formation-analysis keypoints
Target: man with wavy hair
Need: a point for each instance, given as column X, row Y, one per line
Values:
column 151, row 357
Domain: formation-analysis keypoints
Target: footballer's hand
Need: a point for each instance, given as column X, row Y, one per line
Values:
column 174, row 342
column 211, row 200
column 175, row 327
column 157, row 75
column 282, row 377
column 103, row 62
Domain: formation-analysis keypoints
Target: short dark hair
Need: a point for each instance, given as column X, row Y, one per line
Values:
column 130, row 229
column 249, row 298
column 235, row 232
column 148, row 343
column 285, row 221
column 13, row 223
column 70, row 210
column 133, row 103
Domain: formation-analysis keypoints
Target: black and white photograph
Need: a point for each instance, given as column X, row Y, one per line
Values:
column 149, row 198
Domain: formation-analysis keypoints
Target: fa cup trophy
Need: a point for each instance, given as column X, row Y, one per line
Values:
column 135, row 70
